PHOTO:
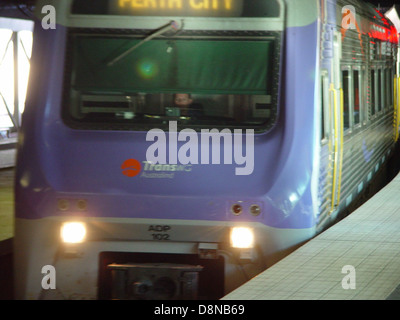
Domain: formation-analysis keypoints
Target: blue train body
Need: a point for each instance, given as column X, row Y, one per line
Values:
column 180, row 215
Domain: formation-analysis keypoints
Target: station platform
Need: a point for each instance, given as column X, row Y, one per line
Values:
column 6, row 232
column 8, row 151
column 356, row 259
column 6, row 206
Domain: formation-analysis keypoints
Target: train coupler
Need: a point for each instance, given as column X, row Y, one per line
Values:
column 154, row 281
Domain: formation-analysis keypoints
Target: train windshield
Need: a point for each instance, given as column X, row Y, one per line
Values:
column 186, row 70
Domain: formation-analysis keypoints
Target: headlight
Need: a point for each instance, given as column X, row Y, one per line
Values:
column 242, row 237
column 73, row 232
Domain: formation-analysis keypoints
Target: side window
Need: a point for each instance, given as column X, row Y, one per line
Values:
column 363, row 91
column 389, row 87
column 379, row 90
column 356, row 97
column 353, row 96
column 372, row 93
column 325, row 126
column 346, row 100
column 392, row 76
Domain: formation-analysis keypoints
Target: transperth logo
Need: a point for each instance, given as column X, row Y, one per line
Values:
column 132, row 168
column 164, row 159
column 148, row 166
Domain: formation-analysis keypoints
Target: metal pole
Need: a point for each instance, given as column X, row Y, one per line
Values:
column 16, row 89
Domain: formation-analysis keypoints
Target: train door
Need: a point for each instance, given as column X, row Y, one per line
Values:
column 337, row 124
column 331, row 95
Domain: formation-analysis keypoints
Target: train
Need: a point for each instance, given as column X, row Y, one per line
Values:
column 174, row 149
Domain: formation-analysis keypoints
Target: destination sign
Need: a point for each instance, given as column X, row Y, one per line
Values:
column 220, row 8
column 184, row 8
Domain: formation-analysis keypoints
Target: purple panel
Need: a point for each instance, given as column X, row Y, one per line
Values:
column 59, row 162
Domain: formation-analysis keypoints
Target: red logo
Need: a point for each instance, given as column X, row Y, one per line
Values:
column 131, row 167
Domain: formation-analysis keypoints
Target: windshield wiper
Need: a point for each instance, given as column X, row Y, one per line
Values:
column 173, row 25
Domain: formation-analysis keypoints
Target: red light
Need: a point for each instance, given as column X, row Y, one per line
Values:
column 384, row 34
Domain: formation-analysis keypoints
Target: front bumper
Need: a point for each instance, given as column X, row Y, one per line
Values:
column 82, row 269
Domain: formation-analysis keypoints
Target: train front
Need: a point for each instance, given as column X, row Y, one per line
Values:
column 149, row 150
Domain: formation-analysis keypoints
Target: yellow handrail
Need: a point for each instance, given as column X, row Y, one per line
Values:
column 396, row 106
column 338, row 134
column 395, row 115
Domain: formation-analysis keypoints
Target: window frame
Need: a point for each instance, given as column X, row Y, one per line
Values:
column 373, row 96
column 361, row 70
column 348, row 69
column 326, row 127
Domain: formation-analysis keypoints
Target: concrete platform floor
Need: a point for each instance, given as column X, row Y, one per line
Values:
column 356, row 259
